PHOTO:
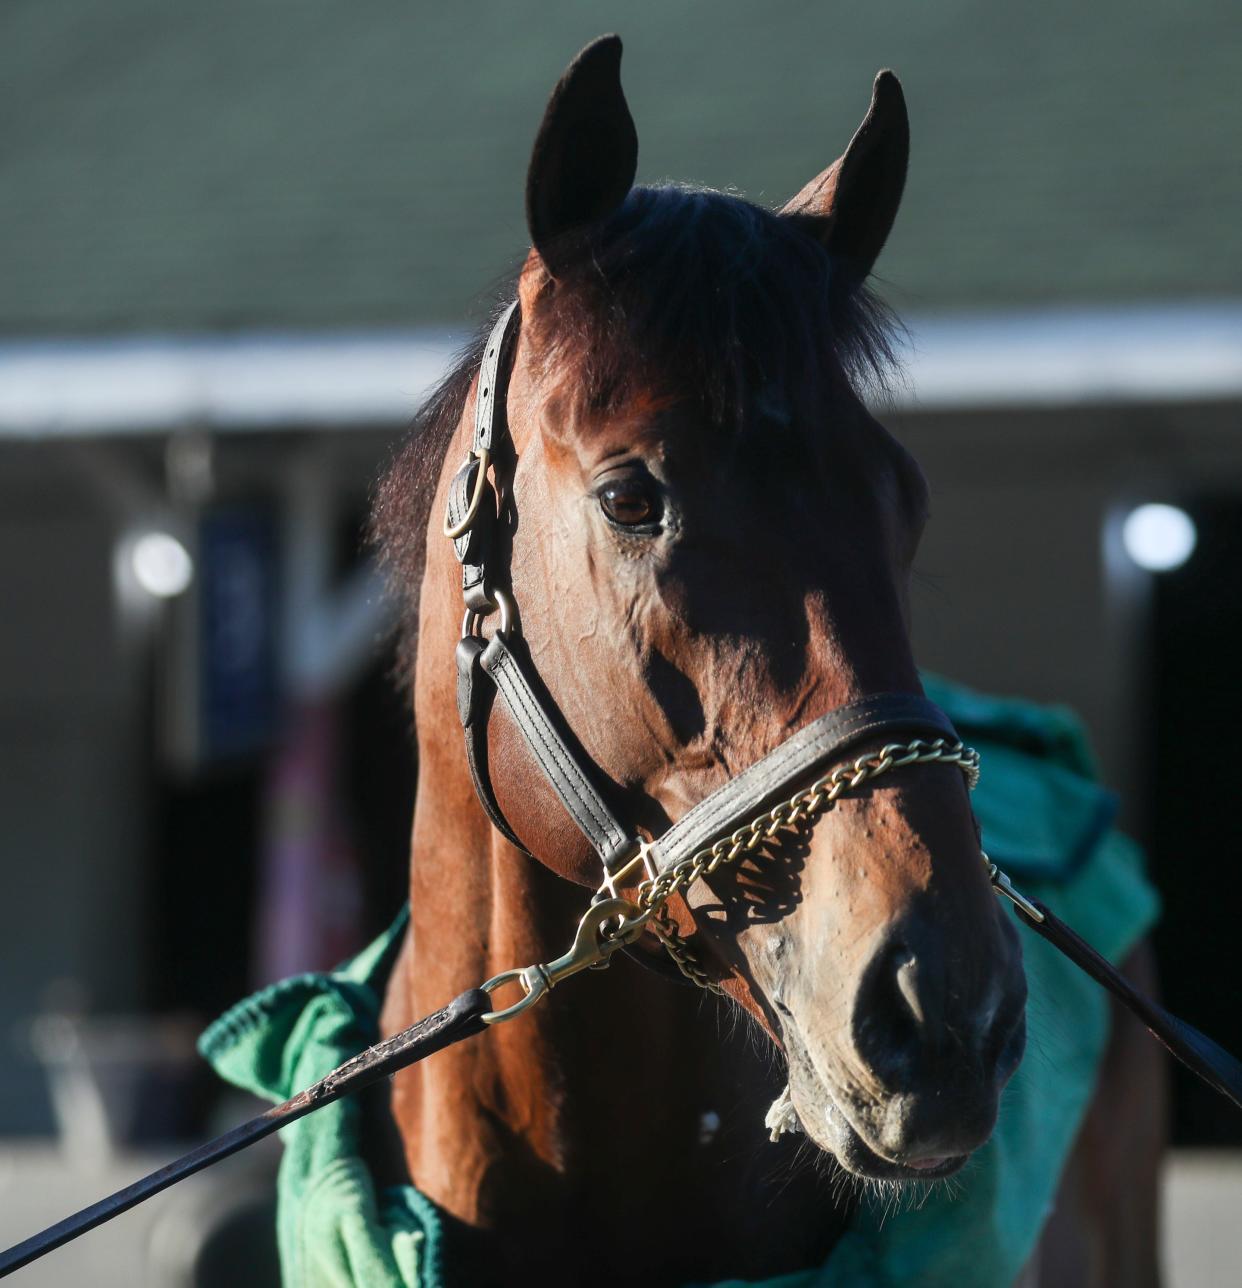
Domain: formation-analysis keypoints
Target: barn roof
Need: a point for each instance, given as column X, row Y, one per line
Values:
column 290, row 164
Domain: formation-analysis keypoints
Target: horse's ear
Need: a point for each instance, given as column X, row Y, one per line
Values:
column 585, row 155
column 850, row 208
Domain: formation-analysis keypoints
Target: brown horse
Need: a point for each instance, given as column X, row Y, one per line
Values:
column 710, row 541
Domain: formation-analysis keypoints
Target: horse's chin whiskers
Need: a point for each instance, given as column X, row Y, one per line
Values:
column 894, row 1195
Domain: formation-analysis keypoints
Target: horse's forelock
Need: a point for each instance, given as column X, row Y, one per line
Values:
column 707, row 294
column 697, row 292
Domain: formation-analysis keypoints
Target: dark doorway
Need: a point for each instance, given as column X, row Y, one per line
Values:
column 208, row 834
column 1193, row 793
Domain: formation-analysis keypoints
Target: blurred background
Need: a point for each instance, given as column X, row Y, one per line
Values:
column 240, row 241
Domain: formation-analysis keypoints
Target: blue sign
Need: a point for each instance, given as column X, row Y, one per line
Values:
column 239, row 615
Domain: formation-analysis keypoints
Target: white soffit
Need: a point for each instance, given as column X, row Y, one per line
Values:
column 249, row 382
column 1063, row 357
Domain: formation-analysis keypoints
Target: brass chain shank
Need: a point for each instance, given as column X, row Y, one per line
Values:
column 613, row 921
column 655, row 892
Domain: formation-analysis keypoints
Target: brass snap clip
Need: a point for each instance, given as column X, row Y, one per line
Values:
column 605, row 927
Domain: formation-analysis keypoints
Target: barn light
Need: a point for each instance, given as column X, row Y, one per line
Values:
column 1158, row 537
column 161, row 564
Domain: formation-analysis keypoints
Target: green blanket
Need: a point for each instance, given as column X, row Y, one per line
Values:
column 1044, row 819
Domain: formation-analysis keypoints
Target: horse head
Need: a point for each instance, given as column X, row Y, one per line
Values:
column 710, row 540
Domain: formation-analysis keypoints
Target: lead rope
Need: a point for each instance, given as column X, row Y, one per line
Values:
column 610, row 923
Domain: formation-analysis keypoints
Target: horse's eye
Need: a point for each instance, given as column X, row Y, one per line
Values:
column 629, row 503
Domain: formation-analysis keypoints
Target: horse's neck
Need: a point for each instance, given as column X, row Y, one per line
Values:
column 574, row 1089
column 622, row 1103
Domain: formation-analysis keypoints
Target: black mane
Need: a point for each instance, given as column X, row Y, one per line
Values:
column 734, row 304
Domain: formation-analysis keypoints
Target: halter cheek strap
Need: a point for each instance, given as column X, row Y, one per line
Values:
column 562, row 768
column 489, row 668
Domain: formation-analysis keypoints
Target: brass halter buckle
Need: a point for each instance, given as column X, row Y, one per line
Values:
column 459, row 529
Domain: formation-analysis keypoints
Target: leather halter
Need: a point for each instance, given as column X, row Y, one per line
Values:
column 490, row 668
column 487, row 668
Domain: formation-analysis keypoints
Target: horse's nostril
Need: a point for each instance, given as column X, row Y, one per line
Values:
column 911, row 1017
column 908, row 987
column 897, row 1013
column 926, row 1016
column 938, row 1031
column 912, row 984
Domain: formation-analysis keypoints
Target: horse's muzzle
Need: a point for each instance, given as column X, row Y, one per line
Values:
column 913, row 1085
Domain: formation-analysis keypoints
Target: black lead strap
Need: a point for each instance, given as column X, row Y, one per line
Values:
column 460, row 1019
column 1203, row 1057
